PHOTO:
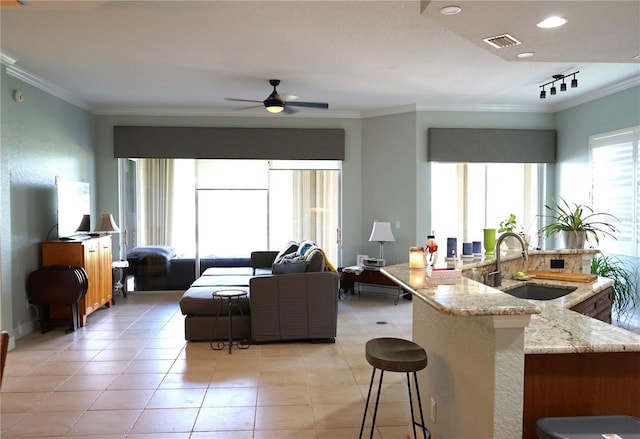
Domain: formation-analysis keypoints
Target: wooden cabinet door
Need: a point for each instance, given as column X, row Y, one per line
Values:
column 105, row 289
column 92, row 267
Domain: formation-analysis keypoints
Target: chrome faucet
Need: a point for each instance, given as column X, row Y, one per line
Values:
column 494, row 279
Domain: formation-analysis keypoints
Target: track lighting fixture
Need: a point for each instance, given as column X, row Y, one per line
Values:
column 563, row 86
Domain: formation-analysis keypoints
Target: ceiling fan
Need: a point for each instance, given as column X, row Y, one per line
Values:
column 275, row 102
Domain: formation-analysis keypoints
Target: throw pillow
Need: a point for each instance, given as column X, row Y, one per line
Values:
column 315, row 261
column 291, row 247
column 305, row 246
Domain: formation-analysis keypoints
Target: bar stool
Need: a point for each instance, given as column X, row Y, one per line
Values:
column 395, row 355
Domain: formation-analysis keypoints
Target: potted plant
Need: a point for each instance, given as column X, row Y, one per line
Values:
column 576, row 223
column 510, row 225
column 625, row 288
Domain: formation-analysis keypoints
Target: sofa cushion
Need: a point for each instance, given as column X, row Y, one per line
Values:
column 293, row 267
column 200, row 301
column 315, row 261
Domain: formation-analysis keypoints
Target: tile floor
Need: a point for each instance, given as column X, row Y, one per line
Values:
column 130, row 374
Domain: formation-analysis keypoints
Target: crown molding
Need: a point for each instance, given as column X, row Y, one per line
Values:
column 47, row 87
column 195, row 112
column 625, row 84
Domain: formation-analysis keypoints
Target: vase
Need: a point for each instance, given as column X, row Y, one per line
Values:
column 572, row 239
column 489, row 241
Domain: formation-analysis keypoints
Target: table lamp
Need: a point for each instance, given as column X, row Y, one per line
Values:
column 381, row 233
column 106, row 225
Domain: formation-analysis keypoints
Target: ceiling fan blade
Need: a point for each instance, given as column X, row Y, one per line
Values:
column 308, row 104
column 248, row 108
column 242, row 100
column 289, row 110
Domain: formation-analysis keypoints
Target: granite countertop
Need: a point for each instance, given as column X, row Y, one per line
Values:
column 554, row 328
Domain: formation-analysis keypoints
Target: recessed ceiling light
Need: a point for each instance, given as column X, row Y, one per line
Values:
column 525, row 55
column 551, row 22
column 450, row 10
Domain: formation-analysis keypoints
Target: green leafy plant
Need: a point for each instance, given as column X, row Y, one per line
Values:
column 508, row 225
column 572, row 217
column 625, row 287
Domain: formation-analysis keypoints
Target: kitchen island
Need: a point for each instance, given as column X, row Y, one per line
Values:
column 496, row 362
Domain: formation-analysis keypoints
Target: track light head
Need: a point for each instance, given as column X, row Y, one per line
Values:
column 574, row 82
column 563, row 86
column 553, row 90
column 543, row 94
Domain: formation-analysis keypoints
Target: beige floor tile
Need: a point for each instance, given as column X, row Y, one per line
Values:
column 177, row 398
column 332, row 394
column 122, row 400
column 348, row 433
column 230, row 397
column 283, row 395
column 238, row 378
column 149, row 366
column 298, row 417
column 43, row 424
column 137, row 381
column 194, row 365
column 68, row 401
column 104, row 422
column 285, row 434
column 283, row 378
column 166, row 420
column 141, row 379
column 246, row 434
column 330, row 416
column 96, row 368
column 87, row 382
column 32, row 383
column 225, row 418
column 186, row 381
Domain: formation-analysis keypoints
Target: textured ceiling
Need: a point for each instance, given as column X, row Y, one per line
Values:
column 362, row 57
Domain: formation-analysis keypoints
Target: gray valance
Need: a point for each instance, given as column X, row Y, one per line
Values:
column 228, row 143
column 465, row 145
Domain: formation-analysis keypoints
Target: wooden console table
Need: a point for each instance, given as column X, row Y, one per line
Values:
column 348, row 280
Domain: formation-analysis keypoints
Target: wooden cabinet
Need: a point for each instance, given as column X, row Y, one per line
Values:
column 597, row 306
column 94, row 255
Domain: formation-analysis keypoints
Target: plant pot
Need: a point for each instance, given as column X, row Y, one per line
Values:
column 571, row 239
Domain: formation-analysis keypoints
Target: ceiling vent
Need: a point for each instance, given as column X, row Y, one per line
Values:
column 502, row 41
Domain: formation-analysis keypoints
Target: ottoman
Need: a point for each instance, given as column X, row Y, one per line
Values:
column 200, row 310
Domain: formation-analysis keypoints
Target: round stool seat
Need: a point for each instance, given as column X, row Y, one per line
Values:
column 395, row 355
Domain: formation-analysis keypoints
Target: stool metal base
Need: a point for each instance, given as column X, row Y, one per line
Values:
column 230, row 296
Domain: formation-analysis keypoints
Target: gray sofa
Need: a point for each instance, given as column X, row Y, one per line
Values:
column 282, row 303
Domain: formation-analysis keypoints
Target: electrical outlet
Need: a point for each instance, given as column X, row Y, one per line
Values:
column 557, row 263
column 434, row 410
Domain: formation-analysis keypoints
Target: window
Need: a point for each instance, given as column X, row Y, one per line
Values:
column 467, row 197
column 615, row 186
column 228, row 208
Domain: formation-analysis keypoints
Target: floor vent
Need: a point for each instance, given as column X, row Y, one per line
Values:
column 502, row 41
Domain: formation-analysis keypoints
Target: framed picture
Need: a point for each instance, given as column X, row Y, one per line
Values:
column 360, row 259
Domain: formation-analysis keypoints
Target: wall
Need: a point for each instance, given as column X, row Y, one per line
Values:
column 388, row 183
column 576, row 124
column 42, row 137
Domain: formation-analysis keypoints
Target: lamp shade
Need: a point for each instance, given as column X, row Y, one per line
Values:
column 381, row 232
column 85, row 224
column 107, row 224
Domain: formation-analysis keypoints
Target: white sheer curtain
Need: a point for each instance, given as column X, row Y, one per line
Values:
column 315, row 208
column 156, row 201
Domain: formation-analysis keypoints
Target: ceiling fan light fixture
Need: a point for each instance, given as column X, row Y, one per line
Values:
column 273, row 105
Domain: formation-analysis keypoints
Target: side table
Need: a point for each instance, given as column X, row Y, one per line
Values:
column 231, row 297
column 119, row 276
column 348, row 281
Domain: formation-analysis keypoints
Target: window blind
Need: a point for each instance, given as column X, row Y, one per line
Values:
column 615, row 169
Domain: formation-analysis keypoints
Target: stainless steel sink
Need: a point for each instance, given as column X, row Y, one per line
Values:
column 539, row 292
